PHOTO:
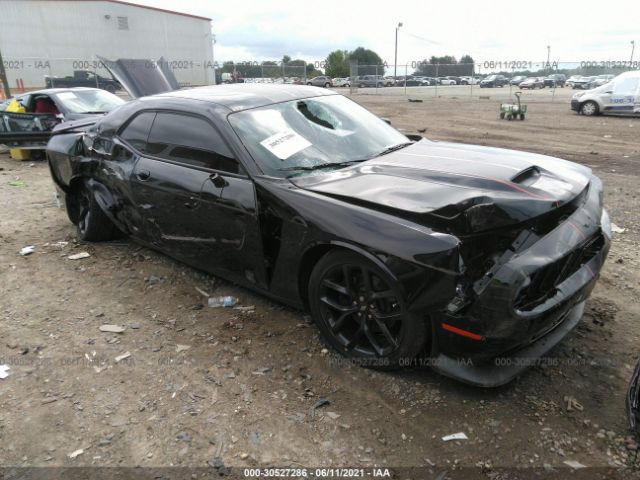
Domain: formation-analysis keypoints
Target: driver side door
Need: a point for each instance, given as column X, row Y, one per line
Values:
column 199, row 204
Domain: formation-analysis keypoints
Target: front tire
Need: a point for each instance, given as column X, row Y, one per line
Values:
column 589, row 108
column 361, row 312
column 92, row 224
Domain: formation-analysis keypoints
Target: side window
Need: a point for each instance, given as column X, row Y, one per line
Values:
column 190, row 140
column 137, row 130
column 626, row 86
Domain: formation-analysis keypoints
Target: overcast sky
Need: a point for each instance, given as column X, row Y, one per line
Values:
column 498, row 31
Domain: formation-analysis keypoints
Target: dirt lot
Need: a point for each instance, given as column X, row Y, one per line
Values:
column 211, row 387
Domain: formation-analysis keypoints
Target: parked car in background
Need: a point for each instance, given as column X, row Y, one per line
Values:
column 532, row 83
column 619, row 96
column 555, row 80
column 583, row 83
column 69, row 103
column 493, row 81
column 388, row 81
column 341, row 82
column 446, row 81
column 320, row 81
column 601, row 80
column 302, row 195
column 469, row 80
column 423, row 81
column 369, row 81
column 412, row 81
column 83, row 78
column 44, row 109
column 517, row 79
column 571, row 80
column 458, row 80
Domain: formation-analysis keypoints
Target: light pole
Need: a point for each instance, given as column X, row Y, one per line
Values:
column 395, row 59
column 548, row 55
column 633, row 47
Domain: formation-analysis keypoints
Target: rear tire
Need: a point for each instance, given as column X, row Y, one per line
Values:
column 522, row 116
column 361, row 312
column 92, row 224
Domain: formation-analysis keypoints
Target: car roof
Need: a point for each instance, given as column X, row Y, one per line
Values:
column 241, row 96
column 58, row 90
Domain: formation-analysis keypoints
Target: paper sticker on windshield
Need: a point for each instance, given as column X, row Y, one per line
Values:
column 66, row 95
column 286, row 143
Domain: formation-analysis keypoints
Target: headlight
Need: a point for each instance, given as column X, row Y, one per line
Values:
column 578, row 95
column 605, row 224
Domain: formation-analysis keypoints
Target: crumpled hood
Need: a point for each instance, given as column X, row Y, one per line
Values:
column 477, row 187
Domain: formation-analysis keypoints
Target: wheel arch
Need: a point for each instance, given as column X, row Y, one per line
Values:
column 314, row 253
column 102, row 194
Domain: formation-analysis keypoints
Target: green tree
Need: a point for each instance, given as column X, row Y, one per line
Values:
column 466, row 59
column 337, row 64
column 369, row 62
column 296, row 68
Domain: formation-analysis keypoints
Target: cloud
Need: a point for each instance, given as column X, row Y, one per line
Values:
column 488, row 31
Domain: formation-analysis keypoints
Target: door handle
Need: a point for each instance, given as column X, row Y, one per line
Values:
column 218, row 181
column 143, row 175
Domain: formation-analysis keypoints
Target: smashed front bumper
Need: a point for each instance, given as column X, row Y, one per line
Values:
column 529, row 304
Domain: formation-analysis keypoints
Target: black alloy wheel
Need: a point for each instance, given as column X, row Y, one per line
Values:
column 91, row 222
column 361, row 311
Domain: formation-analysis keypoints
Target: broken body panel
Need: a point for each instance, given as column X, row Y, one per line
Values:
column 496, row 249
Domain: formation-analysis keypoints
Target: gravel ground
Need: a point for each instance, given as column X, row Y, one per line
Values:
column 188, row 385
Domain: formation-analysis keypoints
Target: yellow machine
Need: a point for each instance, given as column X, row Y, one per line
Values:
column 17, row 153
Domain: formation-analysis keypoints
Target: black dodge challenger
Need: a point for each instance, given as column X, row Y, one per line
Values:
column 477, row 259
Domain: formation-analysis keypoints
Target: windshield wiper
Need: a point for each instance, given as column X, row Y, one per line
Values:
column 95, row 112
column 320, row 166
column 393, row 148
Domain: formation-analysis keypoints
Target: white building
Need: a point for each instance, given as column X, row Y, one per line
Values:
column 56, row 37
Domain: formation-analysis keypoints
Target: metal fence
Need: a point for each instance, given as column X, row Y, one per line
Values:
column 32, row 73
column 490, row 78
column 422, row 79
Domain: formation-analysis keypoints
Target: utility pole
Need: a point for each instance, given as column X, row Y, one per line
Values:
column 548, row 56
column 3, row 78
column 633, row 47
column 395, row 60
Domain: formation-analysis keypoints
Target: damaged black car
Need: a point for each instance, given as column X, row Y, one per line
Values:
column 479, row 258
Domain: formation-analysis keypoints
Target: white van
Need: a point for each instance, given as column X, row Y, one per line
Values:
column 620, row 96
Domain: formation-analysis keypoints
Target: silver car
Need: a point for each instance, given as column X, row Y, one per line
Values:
column 620, row 96
column 321, row 81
